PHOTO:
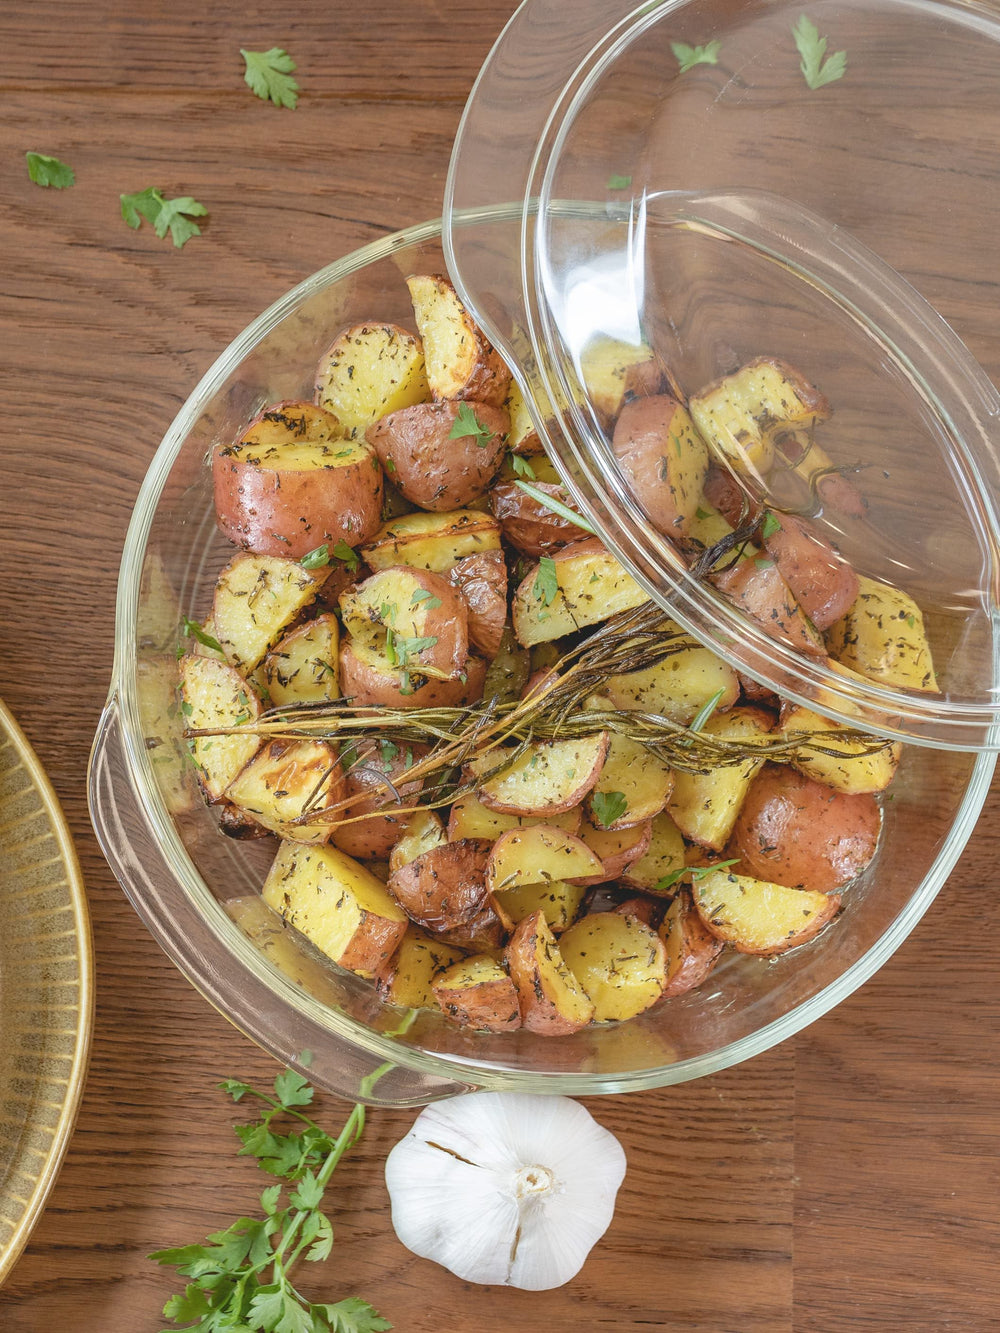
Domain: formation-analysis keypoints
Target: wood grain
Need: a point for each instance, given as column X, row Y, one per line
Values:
column 844, row 1181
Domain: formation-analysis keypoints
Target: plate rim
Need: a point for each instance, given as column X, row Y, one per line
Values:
column 45, row 1178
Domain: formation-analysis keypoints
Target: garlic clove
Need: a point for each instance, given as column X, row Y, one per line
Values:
column 505, row 1188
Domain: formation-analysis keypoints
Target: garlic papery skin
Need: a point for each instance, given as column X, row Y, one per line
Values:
column 505, row 1189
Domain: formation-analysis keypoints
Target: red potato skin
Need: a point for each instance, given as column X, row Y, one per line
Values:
column 647, row 910
column 432, row 470
column 490, row 1007
column 270, row 511
column 640, row 442
column 445, row 892
column 699, row 948
column 373, row 839
column 482, row 581
column 527, row 524
column 447, row 623
column 796, row 832
column 821, row 580
column 724, row 493
column 538, row 1013
column 835, row 490
column 758, row 587
column 368, row 686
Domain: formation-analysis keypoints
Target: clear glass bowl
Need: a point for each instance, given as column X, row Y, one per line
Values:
column 184, row 878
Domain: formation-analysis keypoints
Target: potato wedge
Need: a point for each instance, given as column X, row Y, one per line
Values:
column 692, row 949
column 617, row 848
column 756, row 586
column 413, row 619
column 822, row 582
column 633, row 785
column 461, row 361
column 408, row 976
column 441, row 455
column 580, row 585
column 739, row 415
column 523, row 438
column 444, row 891
column 371, row 767
column 795, row 832
column 663, row 459
column 256, row 599
column 213, row 694
column 620, row 962
column 851, row 767
column 548, row 777
column 478, row 993
column 758, row 917
column 539, row 855
column 558, row 900
column 614, row 372
column 527, row 523
column 286, row 780
column 665, row 855
column 292, row 483
column 432, row 541
column 367, row 678
column 552, row 1001
column 469, row 818
column 882, row 637
column 424, row 831
column 482, row 581
column 679, row 687
column 302, row 667
column 369, row 371
column 337, row 904
column 704, row 806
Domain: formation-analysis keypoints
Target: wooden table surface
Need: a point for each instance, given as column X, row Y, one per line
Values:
column 846, row 1180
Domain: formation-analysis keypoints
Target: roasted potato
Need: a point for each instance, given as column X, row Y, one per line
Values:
column 441, row 455
column 408, row 976
column 444, row 890
column 663, row 458
column 286, row 781
column 580, row 585
column 482, row 581
column 617, row 848
column 704, row 806
column 539, row 855
column 633, row 785
column 367, row 679
column 614, row 372
column 523, row 437
column 692, row 949
column 552, row 1000
column 663, row 858
column 756, row 586
column 337, row 904
column 795, row 832
column 369, row 371
column 256, row 599
column 822, row 582
column 469, row 818
column 620, row 963
column 413, row 619
column 293, row 483
column 557, row 899
column 851, row 767
column 433, row 541
column 375, row 777
column 756, row 916
column 679, row 686
column 478, row 993
column 547, row 778
column 424, row 830
column 461, row 361
column 302, row 667
column 214, row 694
column 527, row 523
column 882, row 637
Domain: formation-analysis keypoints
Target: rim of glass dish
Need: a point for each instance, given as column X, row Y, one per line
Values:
column 492, row 1074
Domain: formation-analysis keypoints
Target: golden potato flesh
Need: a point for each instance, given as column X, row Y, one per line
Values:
column 619, row 962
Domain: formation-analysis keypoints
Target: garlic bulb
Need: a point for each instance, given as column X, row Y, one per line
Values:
column 505, row 1188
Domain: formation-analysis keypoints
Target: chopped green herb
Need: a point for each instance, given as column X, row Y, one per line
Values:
column 425, row 596
column 173, row 215
column 546, row 583
column 389, row 751
column 556, row 506
column 49, row 171
column 522, row 467
column 770, row 525
column 467, row 423
column 608, row 806
column 619, row 182
column 341, row 551
column 702, row 513
column 816, row 70
column 269, row 75
column 194, row 631
column 911, row 620
column 696, row 872
column 317, row 558
column 689, row 56
column 399, row 648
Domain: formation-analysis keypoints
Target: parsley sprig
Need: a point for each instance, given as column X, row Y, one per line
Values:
column 49, row 171
column 467, row 423
column 239, row 1277
column 173, row 215
column 812, row 48
column 269, row 75
column 689, row 56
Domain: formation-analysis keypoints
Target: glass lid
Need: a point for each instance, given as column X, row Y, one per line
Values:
column 751, row 300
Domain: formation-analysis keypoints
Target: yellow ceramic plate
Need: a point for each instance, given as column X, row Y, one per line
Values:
column 46, row 989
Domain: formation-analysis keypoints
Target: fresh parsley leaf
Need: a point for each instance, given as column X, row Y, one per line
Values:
column 812, row 48
column 608, row 806
column 347, row 554
column 388, row 750
column 194, row 631
column 173, row 215
column 49, row 171
column 556, row 506
column 467, row 423
column 352, row 1316
column 291, row 1089
column 269, row 75
column 619, row 182
column 689, row 56
column 307, row 1193
column 770, row 525
column 426, row 597
column 546, row 583
column 399, row 648
column 521, row 466
column 317, row 558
